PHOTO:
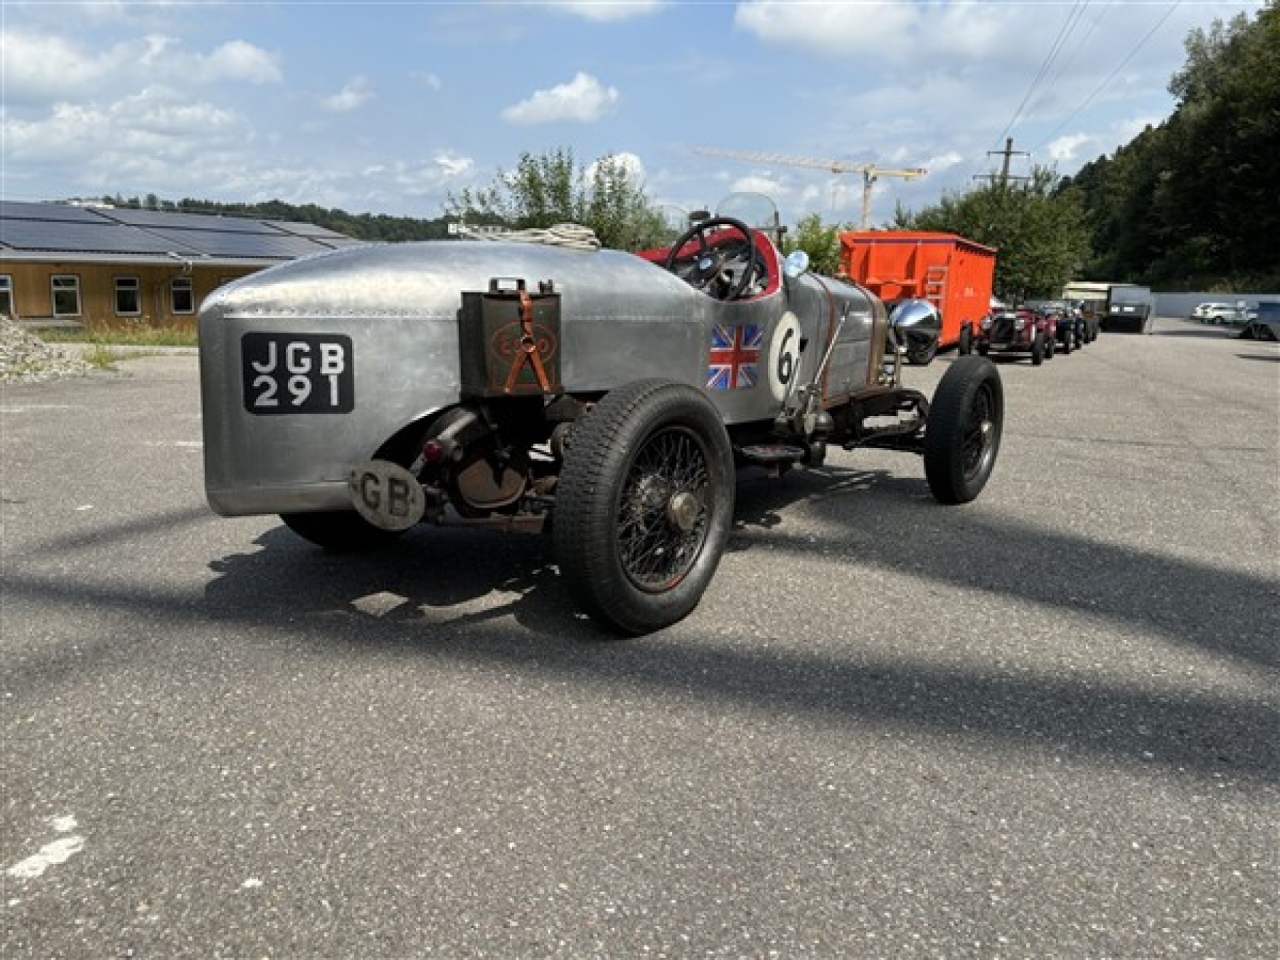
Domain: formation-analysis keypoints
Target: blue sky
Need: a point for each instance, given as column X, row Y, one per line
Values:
column 387, row 107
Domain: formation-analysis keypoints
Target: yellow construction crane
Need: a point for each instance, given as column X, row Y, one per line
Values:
column 870, row 172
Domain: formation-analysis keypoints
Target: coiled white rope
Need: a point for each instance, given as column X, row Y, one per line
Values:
column 572, row 235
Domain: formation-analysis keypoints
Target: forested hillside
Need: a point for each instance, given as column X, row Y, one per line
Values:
column 1194, row 203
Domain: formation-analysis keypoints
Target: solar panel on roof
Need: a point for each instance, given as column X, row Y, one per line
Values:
column 55, row 212
column 63, row 228
column 164, row 220
column 215, row 243
column 306, row 230
column 86, row 237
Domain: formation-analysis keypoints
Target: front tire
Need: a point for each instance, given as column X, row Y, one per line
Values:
column 338, row 530
column 644, row 505
column 962, row 434
column 966, row 342
column 1037, row 349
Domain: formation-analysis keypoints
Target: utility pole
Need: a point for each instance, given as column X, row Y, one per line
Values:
column 1008, row 152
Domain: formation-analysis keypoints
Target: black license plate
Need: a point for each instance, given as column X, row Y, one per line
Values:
column 297, row 373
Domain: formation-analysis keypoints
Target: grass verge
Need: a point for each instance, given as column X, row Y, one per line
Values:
column 140, row 337
column 100, row 357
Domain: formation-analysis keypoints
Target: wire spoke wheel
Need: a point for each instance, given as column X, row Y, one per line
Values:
column 976, row 444
column 662, row 520
column 644, row 505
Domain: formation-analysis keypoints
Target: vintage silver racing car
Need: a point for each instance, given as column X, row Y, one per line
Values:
column 607, row 395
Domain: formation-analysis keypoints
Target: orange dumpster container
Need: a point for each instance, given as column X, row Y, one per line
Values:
column 954, row 274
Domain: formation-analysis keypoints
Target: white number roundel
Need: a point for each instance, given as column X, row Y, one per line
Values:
column 784, row 355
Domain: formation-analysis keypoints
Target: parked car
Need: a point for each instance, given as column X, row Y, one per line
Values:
column 1243, row 316
column 1088, row 317
column 1130, row 307
column 604, row 395
column 1265, row 323
column 1021, row 331
column 1068, row 323
column 1228, row 314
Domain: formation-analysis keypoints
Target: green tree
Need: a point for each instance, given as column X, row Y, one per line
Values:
column 1191, row 203
column 1039, row 232
column 819, row 240
column 551, row 188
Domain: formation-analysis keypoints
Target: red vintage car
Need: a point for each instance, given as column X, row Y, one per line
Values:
column 1020, row 331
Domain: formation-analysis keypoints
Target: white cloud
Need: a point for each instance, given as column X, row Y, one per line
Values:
column 608, row 10
column 353, row 95
column 583, row 100
column 239, row 60
column 943, row 161
column 629, row 162
column 40, row 68
column 753, row 183
column 427, row 78
column 156, row 140
column 1069, row 147
column 37, row 66
column 453, row 164
column 832, row 29
column 157, row 120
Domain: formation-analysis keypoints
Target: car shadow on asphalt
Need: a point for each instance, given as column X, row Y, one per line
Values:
column 982, row 552
column 452, row 595
column 1272, row 358
column 466, row 576
column 1201, row 332
column 448, row 593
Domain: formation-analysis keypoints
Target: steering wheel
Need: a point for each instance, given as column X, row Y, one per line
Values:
column 710, row 271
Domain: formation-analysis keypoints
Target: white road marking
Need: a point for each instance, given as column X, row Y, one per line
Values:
column 60, row 851
column 41, row 406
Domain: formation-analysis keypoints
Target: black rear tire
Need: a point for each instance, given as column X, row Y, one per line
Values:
column 962, row 433
column 338, row 530
column 644, row 505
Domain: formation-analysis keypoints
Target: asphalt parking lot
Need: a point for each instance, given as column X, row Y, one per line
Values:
column 1044, row 724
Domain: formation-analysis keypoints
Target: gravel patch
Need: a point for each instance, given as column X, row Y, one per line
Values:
column 25, row 358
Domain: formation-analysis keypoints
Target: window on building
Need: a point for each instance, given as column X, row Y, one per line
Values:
column 66, row 295
column 128, row 297
column 181, row 295
column 6, row 295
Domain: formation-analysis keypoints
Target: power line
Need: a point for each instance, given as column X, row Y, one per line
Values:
column 1066, row 61
column 1111, row 76
column 1068, row 26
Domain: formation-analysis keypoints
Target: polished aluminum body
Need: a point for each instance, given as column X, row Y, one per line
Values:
column 623, row 318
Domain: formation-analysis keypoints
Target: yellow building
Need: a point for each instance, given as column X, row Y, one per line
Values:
column 110, row 267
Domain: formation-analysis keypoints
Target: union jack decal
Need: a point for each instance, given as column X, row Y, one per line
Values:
column 734, row 360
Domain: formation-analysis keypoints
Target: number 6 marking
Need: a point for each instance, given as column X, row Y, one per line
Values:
column 784, row 355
